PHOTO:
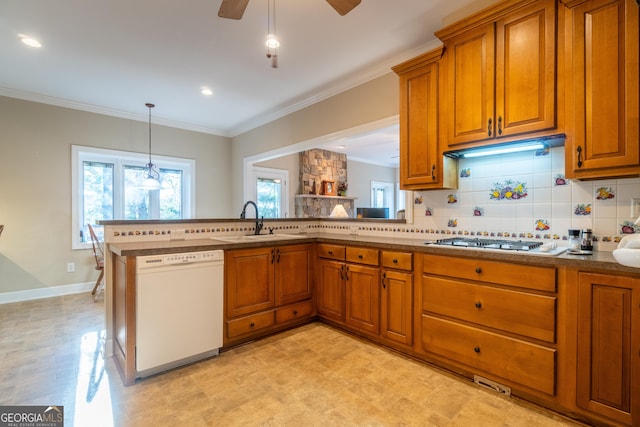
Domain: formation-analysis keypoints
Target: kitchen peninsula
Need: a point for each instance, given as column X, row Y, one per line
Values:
column 507, row 319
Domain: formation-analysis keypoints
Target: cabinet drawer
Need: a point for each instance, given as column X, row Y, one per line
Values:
column 362, row 255
column 517, row 312
column 519, row 361
column 249, row 324
column 294, row 311
column 504, row 273
column 331, row 251
column 398, row 260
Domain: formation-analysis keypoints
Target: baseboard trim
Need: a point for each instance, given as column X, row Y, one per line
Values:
column 39, row 293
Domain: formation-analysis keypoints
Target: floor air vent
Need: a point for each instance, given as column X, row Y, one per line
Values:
column 492, row 385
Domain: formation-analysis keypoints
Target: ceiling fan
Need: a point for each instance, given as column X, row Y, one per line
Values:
column 234, row 9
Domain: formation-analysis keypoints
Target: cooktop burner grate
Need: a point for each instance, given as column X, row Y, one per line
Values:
column 513, row 245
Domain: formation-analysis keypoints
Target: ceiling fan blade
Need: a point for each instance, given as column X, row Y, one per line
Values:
column 232, row 9
column 343, row 6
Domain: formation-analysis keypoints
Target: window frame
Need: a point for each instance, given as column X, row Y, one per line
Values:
column 270, row 173
column 80, row 154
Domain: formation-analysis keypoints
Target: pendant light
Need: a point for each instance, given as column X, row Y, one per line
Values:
column 151, row 179
column 272, row 42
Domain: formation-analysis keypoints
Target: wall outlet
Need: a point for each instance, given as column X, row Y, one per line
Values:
column 353, row 229
column 635, row 208
column 71, row 267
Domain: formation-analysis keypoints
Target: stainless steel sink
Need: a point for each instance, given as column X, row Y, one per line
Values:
column 258, row 237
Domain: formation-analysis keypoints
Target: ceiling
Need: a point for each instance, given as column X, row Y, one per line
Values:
column 111, row 57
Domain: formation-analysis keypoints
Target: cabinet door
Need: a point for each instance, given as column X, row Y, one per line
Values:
column 419, row 164
column 469, row 94
column 396, row 311
column 330, row 292
column 608, row 344
column 526, row 70
column 292, row 276
column 249, row 284
column 363, row 298
column 603, row 109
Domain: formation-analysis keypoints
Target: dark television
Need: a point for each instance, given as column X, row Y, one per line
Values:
column 372, row 213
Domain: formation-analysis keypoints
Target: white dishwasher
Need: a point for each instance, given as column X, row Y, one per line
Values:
column 179, row 304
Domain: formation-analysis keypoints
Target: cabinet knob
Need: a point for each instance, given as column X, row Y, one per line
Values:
column 252, row 324
column 478, row 270
column 433, row 172
column 476, row 349
column 500, row 125
column 489, row 127
column 330, row 252
column 478, row 304
column 295, row 312
column 360, row 256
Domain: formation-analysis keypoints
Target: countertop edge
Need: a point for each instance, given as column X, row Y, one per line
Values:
column 601, row 261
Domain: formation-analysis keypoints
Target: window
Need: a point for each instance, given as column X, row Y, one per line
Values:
column 382, row 196
column 105, row 187
column 271, row 194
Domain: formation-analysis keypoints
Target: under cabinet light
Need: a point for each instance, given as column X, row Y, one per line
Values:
column 503, row 150
column 538, row 143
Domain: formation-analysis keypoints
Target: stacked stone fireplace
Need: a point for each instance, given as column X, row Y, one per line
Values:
column 317, row 166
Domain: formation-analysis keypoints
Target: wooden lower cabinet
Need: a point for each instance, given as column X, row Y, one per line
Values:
column 396, row 303
column 349, row 287
column 488, row 352
column 493, row 319
column 266, row 289
column 608, row 353
column 362, row 298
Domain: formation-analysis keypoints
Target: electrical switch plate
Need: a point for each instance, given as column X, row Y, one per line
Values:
column 71, row 267
column 635, row 208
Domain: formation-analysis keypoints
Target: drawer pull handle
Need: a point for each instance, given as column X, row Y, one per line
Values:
column 478, row 304
column 476, row 349
column 360, row 256
column 330, row 252
column 478, row 270
column 251, row 325
column 395, row 260
column 295, row 312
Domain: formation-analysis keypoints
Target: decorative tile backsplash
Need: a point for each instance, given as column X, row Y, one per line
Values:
column 523, row 194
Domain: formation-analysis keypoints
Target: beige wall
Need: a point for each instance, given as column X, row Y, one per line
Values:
column 371, row 101
column 35, row 184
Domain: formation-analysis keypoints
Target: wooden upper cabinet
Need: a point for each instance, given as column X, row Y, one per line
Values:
column 602, row 108
column 500, row 73
column 422, row 165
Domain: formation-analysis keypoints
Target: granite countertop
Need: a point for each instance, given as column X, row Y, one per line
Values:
column 600, row 260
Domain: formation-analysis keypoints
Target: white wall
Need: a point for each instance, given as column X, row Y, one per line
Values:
column 35, row 184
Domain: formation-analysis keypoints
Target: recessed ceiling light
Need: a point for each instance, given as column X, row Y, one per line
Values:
column 29, row 41
column 206, row 91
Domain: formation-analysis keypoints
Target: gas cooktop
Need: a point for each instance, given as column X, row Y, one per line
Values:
column 502, row 244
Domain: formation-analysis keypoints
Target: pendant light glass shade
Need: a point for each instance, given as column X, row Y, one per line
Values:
column 151, row 179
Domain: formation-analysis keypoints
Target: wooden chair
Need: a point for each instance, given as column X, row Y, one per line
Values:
column 98, row 253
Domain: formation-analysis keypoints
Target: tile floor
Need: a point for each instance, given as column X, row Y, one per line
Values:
column 50, row 354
